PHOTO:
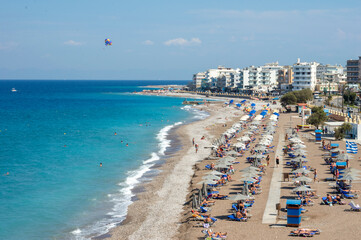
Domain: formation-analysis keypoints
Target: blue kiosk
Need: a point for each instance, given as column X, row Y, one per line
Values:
column 318, row 134
column 293, row 213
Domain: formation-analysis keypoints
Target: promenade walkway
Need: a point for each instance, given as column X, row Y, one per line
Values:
column 270, row 212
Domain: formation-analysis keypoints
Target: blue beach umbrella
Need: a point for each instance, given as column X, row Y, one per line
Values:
column 253, row 104
column 238, row 105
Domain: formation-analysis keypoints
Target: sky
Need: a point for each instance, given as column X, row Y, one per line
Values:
column 170, row 40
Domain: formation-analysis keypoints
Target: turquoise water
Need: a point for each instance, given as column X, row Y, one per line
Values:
column 54, row 135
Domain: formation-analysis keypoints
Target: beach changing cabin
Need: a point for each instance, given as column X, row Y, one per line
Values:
column 293, row 213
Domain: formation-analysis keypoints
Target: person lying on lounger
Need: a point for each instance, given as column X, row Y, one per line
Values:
column 350, row 191
column 301, row 231
column 239, row 214
column 216, row 234
column 198, row 214
column 217, row 195
column 205, row 202
column 209, row 220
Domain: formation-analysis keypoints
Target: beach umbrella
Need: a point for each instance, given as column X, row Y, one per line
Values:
column 250, row 168
column 336, row 150
column 239, row 145
column 298, row 160
column 302, row 189
column 248, row 179
column 343, row 156
column 258, row 156
column 232, row 152
column 302, row 179
column 227, row 158
column 351, row 170
column 240, row 197
column 207, row 182
column 295, row 140
column 297, row 146
column 301, row 170
column 223, row 165
column 211, row 177
column 245, row 139
column 349, row 177
column 214, row 172
column 249, row 175
column 299, row 151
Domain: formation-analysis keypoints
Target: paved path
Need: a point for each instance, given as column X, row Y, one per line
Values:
column 270, row 212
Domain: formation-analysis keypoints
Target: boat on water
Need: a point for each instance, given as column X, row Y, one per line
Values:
column 13, row 90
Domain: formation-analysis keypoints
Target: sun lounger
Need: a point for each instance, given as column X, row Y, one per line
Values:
column 223, row 197
column 204, row 209
column 305, row 234
column 232, row 217
column 347, row 195
column 354, row 207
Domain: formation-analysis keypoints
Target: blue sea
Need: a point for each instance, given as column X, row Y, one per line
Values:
column 53, row 137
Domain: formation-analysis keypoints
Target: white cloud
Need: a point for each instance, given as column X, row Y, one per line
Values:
column 73, row 43
column 148, row 42
column 183, row 42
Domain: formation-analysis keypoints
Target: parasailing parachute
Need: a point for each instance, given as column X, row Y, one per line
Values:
column 108, row 42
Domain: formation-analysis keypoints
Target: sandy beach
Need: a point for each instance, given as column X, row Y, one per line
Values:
column 162, row 211
column 148, row 217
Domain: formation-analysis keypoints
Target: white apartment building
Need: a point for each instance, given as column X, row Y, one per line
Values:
column 304, row 75
column 328, row 72
column 221, row 77
column 261, row 78
column 198, row 78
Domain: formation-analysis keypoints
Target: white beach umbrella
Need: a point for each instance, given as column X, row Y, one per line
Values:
column 250, row 168
column 302, row 179
column 240, row 197
column 245, row 139
column 211, row 177
column 301, row 170
column 302, row 188
column 207, row 182
column 239, row 145
column 214, row 172
column 248, row 179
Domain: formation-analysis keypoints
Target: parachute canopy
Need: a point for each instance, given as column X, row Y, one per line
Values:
column 108, row 42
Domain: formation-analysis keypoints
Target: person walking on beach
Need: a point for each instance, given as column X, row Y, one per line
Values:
column 315, row 175
column 193, row 141
column 196, row 147
column 277, row 161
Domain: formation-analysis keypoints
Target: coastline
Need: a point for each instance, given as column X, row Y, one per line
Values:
column 167, row 191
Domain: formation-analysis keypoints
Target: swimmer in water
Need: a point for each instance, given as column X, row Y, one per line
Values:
column 127, row 145
column 121, row 141
column 101, row 165
column 115, row 133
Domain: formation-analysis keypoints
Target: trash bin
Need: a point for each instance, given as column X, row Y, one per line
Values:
column 293, row 213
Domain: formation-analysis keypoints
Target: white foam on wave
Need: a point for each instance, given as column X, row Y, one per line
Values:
column 164, row 143
column 198, row 114
column 123, row 198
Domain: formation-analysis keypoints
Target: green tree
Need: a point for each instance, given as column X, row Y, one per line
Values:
column 303, row 95
column 349, row 97
column 288, row 98
column 341, row 131
column 318, row 117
